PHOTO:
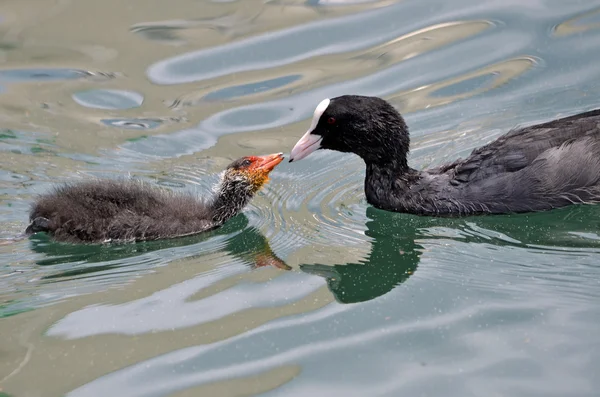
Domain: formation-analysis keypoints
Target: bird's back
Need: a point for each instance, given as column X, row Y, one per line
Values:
column 518, row 148
column 105, row 210
column 541, row 167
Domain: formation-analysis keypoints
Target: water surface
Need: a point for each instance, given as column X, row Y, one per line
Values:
column 310, row 290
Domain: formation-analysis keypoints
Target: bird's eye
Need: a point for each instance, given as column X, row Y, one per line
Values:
column 246, row 163
column 331, row 120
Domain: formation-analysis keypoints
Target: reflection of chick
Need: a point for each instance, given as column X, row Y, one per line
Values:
column 270, row 259
column 102, row 211
column 253, row 246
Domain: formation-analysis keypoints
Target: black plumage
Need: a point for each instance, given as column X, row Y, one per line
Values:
column 535, row 168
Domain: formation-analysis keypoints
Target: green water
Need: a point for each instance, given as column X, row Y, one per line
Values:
column 310, row 291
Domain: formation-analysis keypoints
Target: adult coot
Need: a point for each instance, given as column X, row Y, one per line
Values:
column 536, row 168
column 129, row 210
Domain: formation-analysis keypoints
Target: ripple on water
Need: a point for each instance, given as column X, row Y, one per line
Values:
column 63, row 270
column 494, row 270
column 178, row 307
column 288, row 46
column 338, row 3
column 28, row 75
column 589, row 20
column 182, row 142
column 460, row 307
column 183, row 31
column 488, row 338
column 108, row 99
column 133, row 124
column 397, row 80
column 251, row 88
column 44, row 75
column 26, row 142
column 314, row 204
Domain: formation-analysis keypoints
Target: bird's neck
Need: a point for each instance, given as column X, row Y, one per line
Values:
column 388, row 184
column 228, row 202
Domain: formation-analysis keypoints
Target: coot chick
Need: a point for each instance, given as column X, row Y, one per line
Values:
column 129, row 210
column 535, row 168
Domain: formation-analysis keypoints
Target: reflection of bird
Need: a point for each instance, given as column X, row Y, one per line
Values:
column 536, row 168
column 394, row 257
column 252, row 246
column 399, row 240
column 100, row 211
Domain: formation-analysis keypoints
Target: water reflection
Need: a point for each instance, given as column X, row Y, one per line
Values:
column 319, row 38
column 588, row 20
column 245, row 76
column 398, row 241
column 178, row 32
column 108, row 99
column 234, row 92
column 45, row 75
column 133, row 124
column 391, row 69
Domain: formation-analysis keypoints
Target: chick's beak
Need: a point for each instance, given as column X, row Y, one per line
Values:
column 268, row 162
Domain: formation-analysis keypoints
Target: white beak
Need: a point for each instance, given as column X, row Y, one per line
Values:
column 310, row 142
column 305, row 146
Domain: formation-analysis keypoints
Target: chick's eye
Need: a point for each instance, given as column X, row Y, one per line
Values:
column 246, row 163
column 331, row 120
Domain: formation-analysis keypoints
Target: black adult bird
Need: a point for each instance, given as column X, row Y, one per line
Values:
column 536, row 168
column 129, row 210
